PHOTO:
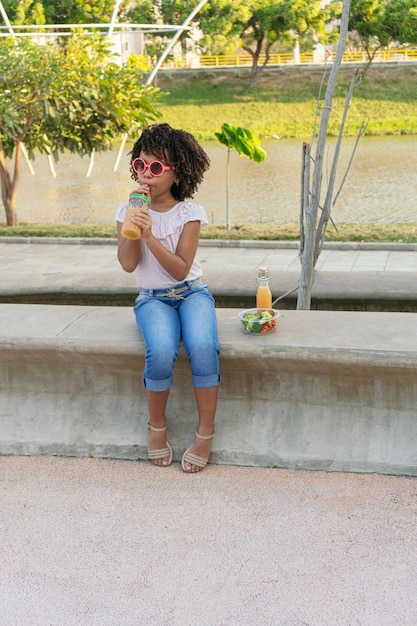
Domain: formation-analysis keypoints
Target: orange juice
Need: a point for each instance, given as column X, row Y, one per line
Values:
column 129, row 229
column 263, row 294
column 264, row 297
column 137, row 201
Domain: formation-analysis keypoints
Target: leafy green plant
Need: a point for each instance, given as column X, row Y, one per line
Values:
column 246, row 144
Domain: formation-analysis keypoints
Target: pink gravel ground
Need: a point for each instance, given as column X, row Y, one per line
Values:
column 118, row 543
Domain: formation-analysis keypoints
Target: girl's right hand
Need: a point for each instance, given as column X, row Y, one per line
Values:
column 144, row 188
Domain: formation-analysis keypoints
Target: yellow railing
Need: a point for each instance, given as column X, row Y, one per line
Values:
column 237, row 60
column 245, row 60
column 381, row 56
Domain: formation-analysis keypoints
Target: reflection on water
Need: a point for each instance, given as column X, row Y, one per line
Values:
column 381, row 185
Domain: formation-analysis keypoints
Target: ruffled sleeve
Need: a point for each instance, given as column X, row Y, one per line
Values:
column 166, row 224
column 121, row 212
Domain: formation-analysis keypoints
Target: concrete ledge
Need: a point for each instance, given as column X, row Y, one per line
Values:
column 362, row 291
column 354, row 291
column 328, row 390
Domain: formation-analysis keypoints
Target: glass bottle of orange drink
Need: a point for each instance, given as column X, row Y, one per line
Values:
column 137, row 201
column 263, row 294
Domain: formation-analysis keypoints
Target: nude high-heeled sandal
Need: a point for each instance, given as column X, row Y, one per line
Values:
column 195, row 459
column 160, row 453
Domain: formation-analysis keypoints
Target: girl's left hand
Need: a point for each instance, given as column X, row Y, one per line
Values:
column 144, row 220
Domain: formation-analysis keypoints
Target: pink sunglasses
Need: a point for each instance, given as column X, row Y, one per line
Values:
column 156, row 168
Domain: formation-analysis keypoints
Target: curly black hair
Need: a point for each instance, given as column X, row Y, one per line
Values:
column 177, row 148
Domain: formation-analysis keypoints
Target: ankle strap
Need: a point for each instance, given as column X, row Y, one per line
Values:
column 207, row 437
column 155, row 429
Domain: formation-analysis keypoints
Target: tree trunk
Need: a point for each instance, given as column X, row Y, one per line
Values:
column 227, row 189
column 305, row 190
column 307, row 259
column 9, row 185
column 327, row 206
column 255, row 64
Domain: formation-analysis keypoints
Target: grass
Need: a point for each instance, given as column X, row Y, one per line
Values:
column 284, row 101
column 380, row 233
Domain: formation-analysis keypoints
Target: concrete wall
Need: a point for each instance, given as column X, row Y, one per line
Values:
column 327, row 390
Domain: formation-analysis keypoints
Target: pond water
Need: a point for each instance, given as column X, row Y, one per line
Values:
column 381, row 185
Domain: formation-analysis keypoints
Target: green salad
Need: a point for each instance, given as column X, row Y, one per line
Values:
column 259, row 322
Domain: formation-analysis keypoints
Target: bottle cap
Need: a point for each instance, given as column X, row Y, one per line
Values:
column 140, row 195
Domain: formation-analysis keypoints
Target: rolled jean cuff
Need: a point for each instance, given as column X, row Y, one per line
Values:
column 157, row 385
column 203, row 382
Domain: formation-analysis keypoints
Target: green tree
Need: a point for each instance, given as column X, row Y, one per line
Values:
column 379, row 23
column 272, row 21
column 221, row 23
column 401, row 21
column 367, row 19
column 28, row 11
column 146, row 12
column 254, row 25
column 259, row 25
column 73, row 98
column 10, row 6
column 61, row 11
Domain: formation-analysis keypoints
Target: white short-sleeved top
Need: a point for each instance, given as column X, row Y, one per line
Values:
column 167, row 227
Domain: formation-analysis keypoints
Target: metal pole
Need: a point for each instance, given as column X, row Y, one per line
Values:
column 113, row 17
column 173, row 41
column 158, row 64
column 6, row 19
column 29, row 164
column 90, row 167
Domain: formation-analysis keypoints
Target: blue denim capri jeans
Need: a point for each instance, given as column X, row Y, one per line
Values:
column 167, row 316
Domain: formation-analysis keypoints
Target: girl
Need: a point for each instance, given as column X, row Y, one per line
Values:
column 173, row 303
